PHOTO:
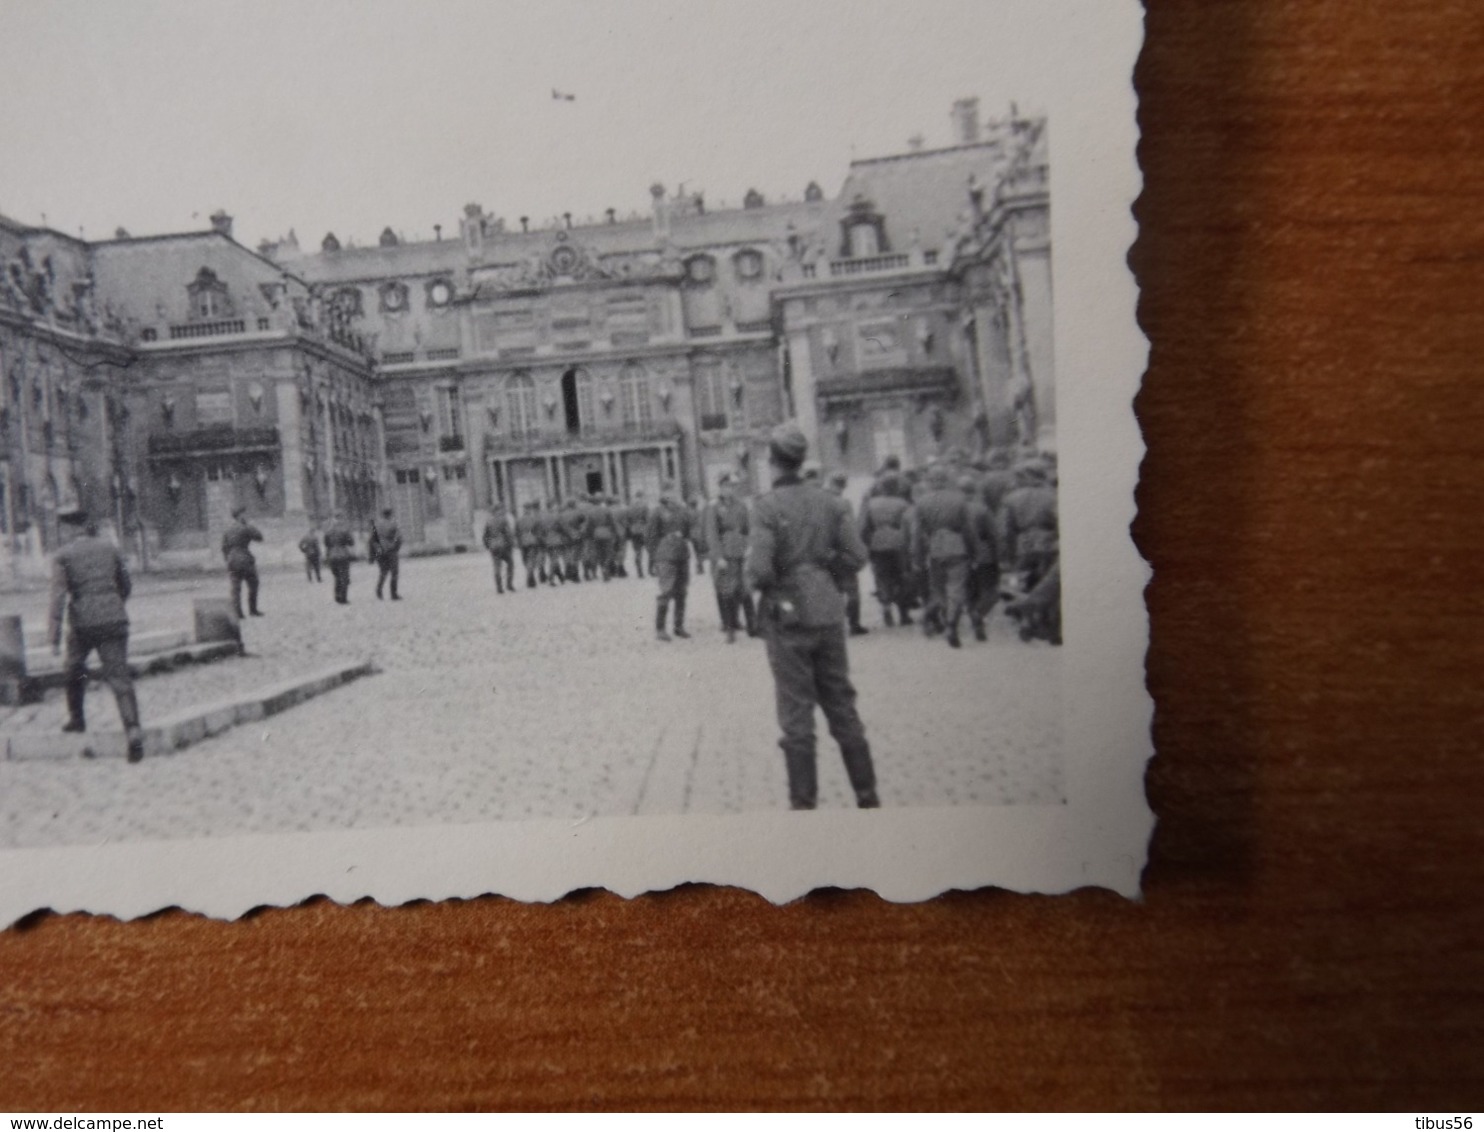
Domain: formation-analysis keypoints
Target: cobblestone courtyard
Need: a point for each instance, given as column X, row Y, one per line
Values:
column 546, row 703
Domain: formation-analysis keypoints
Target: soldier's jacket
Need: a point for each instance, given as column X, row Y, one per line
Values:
column 498, row 535
column 340, row 543
column 386, row 538
column 636, row 520
column 994, row 485
column 698, row 529
column 237, row 543
column 309, row 546
column 602, row 524
column 982, row 525
column 89, row 580
column 802, row 539
column 553, row 531
column 1029, row 519
column 941, row 530
column 528, row 530
column 884, row 523
column 574, row 522
column 670, row 533
column 726, row 529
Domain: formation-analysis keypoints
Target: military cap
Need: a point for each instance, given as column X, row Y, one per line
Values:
column 892, row 463
column 238, row 511
column 810, row 471
column 839, row 479
column 788, row 444
column 889, row 484
column 386, row 512
column 72, row 514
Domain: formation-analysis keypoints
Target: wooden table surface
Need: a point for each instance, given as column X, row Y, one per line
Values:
column 1312, row 264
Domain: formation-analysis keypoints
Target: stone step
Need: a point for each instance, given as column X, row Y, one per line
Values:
column 178, row 731
column 39, row 658
column 51, row 675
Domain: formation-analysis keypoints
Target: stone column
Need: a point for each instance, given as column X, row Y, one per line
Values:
column 12, row 659
column 291, row 451
column 327, row 426
column 801, row 364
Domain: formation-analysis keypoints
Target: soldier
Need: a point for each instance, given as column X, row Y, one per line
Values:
column 340, row 551
column 309, row 547
column 698, row 531
column 1030, row 524
column 499, row 540
column 848, row 580
column 616, row 512
column 386, row 552
column 802, row 538
column 726, row 541
column 528, row 536
column 90, row 585
column 884, row 525
column 670, row 536
column 602, row 531
column 944, row 542
column 983, row 585
column 554, row 544
column 636, row 527
column 237, row 543
column 574, row 520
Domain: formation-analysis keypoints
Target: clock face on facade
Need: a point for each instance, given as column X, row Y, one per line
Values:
column 564, row 260
column 440, row 294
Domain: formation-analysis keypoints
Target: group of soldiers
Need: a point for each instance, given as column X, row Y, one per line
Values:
column 583, row 540
column 383, row 550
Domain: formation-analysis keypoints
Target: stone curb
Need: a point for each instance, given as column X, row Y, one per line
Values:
column 192, row 725
column 145, row 664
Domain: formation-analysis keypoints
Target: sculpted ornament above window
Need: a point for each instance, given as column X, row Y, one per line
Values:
column 749, row 264
column 393, row 297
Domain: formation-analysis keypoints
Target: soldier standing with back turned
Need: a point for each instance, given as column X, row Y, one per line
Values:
column 90, row 585
column 726, row 540
column 237, row 543
column 670, row 537
column 499, row 540
column 386, row 542
column 802, row 539
column 340, row 551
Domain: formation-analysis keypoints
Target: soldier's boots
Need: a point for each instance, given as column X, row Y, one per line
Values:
column 75, row 719
column 886, row 618
column 803, row 774
column 129, row 714
column 979, row 633
column 661, row 609
column 680, row 619
column 861, row 772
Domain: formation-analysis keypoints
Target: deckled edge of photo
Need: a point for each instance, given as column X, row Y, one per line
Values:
column 1099, row 837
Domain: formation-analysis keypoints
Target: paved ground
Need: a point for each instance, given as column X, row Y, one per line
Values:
column 546, row 703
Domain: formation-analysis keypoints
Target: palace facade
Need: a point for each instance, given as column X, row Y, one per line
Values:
column 160, row 381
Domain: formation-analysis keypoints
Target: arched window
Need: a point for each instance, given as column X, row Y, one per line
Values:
column 633, row 392
column 520, row 401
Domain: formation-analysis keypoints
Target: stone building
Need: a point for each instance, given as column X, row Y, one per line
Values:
column 908, row 314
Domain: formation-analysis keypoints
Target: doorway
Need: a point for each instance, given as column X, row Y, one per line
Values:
column 595, row 483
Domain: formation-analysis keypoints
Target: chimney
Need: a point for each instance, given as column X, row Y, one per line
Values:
column 965, row 117
column 221, row 222
column 438, row 232
column 661, row 213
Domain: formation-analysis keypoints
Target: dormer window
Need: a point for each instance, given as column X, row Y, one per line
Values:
column 208, row 296
column 863, row 230
column 393, row 297
column 700, row 270
column 749, row 264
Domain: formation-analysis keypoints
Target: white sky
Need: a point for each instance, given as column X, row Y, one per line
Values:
column 348, row 116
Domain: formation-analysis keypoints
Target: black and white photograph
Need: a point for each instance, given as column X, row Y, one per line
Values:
column 511, row 447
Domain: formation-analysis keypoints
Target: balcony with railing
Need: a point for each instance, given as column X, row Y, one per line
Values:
column 554, row 440
column 214, row 329
column 866, row 265
column 213, row 440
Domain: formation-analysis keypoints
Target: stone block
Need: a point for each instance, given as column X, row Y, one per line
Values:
column 216, row 620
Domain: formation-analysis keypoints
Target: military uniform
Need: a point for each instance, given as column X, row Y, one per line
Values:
column 944, row 541
column 636, row 528
column 309, row 547
column 90, row 585
column 884, row 529
column 602, row 530
column 574, row 521
column 340, row 551
column 386, row 552
column 726, row 529
column 528, row 536
column 237, row 543
column 554, row 543
column 670, row 536
column 983, row 585
column 499, row 540
column 802, row 537
column 1030, row 526
column 848, row 580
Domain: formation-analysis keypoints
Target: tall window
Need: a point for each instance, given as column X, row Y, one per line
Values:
column 711, row 394
column 520, row 401
column 633, row 390
column 586, row 416
column 449, row 421
column 864, row 240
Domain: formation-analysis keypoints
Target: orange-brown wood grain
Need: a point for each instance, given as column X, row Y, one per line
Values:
column 1312, row 265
